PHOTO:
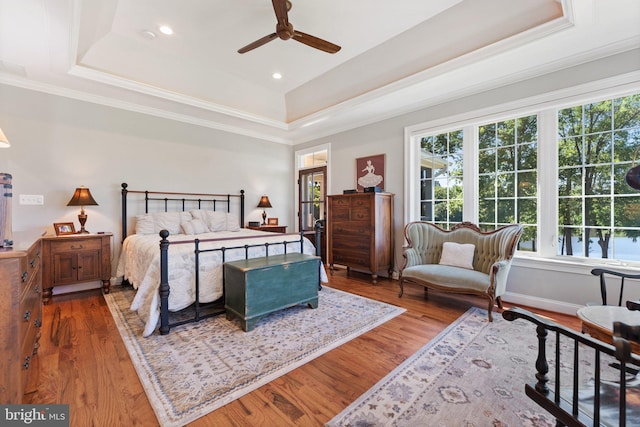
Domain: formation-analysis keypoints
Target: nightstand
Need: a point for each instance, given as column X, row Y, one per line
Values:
column 75, row 258
column 270, row 228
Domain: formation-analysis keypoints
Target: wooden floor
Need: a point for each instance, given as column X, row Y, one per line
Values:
column 83, row 362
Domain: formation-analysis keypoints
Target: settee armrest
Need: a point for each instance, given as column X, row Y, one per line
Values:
column 411, row 257
column 499, row 273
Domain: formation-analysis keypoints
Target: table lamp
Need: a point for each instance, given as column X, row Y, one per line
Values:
column 4, row 142
column 82, row 197
column 264, row 203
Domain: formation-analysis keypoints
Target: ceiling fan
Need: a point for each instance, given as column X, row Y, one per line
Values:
column 285, row 31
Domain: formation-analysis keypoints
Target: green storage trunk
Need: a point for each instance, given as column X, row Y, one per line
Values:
column 256, row 287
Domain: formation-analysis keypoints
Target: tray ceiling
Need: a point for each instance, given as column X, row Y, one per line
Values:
column 395, row 56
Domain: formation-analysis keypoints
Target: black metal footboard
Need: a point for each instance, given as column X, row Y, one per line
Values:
column 216, row 308
column 569, row 408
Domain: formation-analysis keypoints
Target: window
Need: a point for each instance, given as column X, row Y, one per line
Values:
column 559, row 170
column 507, row 176
column 441, row 178
column 598, row 213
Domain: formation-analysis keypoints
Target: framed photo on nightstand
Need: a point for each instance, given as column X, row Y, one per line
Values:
column 63, row 228
column 272, row 221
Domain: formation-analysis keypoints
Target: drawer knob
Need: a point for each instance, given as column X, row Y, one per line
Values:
column 25, row 276
column 27, row 315
column 32, row 263
column 77, row 247
column 27, row 359
column 38, row 323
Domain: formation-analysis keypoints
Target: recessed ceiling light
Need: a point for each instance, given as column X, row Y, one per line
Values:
column 276, row 76
column 165, row 29
column 148, row 34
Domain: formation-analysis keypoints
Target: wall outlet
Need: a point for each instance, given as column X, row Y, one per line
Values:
column 31, row 199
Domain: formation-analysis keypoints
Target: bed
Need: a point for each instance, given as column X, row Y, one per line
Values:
column 175, row 253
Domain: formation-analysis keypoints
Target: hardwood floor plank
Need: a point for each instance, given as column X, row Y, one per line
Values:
column 83, row 361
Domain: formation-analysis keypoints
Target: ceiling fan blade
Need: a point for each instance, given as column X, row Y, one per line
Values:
column 258, row 43
column 281, row 8
column 316, row 42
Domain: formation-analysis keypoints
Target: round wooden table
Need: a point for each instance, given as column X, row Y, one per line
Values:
column 597, row 321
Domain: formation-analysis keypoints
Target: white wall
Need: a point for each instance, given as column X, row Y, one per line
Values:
column 58, row 144
column 560, row 288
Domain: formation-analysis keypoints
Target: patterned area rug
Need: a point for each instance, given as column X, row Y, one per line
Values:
column 200, row 367
column 471, row 374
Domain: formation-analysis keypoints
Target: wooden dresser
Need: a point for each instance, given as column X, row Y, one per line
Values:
column 75, row 258
column 360, row 232
column 20, row 321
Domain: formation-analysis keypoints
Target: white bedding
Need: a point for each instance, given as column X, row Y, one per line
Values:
column 140, row 264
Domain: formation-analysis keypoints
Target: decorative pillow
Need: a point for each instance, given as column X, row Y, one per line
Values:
column 153, row 223
column 145, row 224
column 457, row 254
column 217, row 221
column 195, row 226
column 170, row 221
column 199, row 214
column 233, row 222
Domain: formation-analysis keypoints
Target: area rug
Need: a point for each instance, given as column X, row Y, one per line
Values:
column 202, row 366
column 471, row 374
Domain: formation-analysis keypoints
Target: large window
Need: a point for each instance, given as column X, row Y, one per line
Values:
column 598, row 213
column 441, row 178
column 559, row 170
column 507, row 176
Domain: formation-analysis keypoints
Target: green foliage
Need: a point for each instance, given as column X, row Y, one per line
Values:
column 595, row 145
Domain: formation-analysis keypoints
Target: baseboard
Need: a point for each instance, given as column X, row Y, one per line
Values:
column 542, row 303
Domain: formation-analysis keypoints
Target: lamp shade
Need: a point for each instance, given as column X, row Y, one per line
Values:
column 264, row 202
column 82, row 197
column 4, row 142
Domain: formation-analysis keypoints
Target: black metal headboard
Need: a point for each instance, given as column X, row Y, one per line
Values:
column 159, row 201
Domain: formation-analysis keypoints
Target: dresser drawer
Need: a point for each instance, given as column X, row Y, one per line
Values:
column 75, row 245
column 29, row 312
column 28, row 366
column 29, row 269
column 30, row 323
column 361, row 214
column 354, row 243
column 350, row 228
column 351, row 257
column 341, row 214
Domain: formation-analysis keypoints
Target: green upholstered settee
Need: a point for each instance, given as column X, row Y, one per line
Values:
column 490, row 259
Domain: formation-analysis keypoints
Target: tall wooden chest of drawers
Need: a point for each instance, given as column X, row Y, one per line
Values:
column 20, row 321
column 360, row 232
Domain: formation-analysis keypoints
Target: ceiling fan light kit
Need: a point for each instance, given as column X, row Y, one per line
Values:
column 285, row 31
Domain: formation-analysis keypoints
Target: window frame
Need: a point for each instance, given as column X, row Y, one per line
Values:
column 546, row 106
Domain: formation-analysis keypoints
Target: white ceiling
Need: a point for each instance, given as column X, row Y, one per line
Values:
column 396, row 56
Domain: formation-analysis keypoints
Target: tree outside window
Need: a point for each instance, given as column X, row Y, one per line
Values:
column 507, row 178
column 441, row 178
column 598, row 213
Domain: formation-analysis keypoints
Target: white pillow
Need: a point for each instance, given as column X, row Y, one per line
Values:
column 233, row 222
column 153, row 223
column 170, row 221
column 195, row 226
column 145, row 224
column 217, row 221
column 457, row 255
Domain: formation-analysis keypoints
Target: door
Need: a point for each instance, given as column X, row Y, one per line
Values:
column 312, row 202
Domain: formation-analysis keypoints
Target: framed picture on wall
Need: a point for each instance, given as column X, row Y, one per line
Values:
column 370, row 172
